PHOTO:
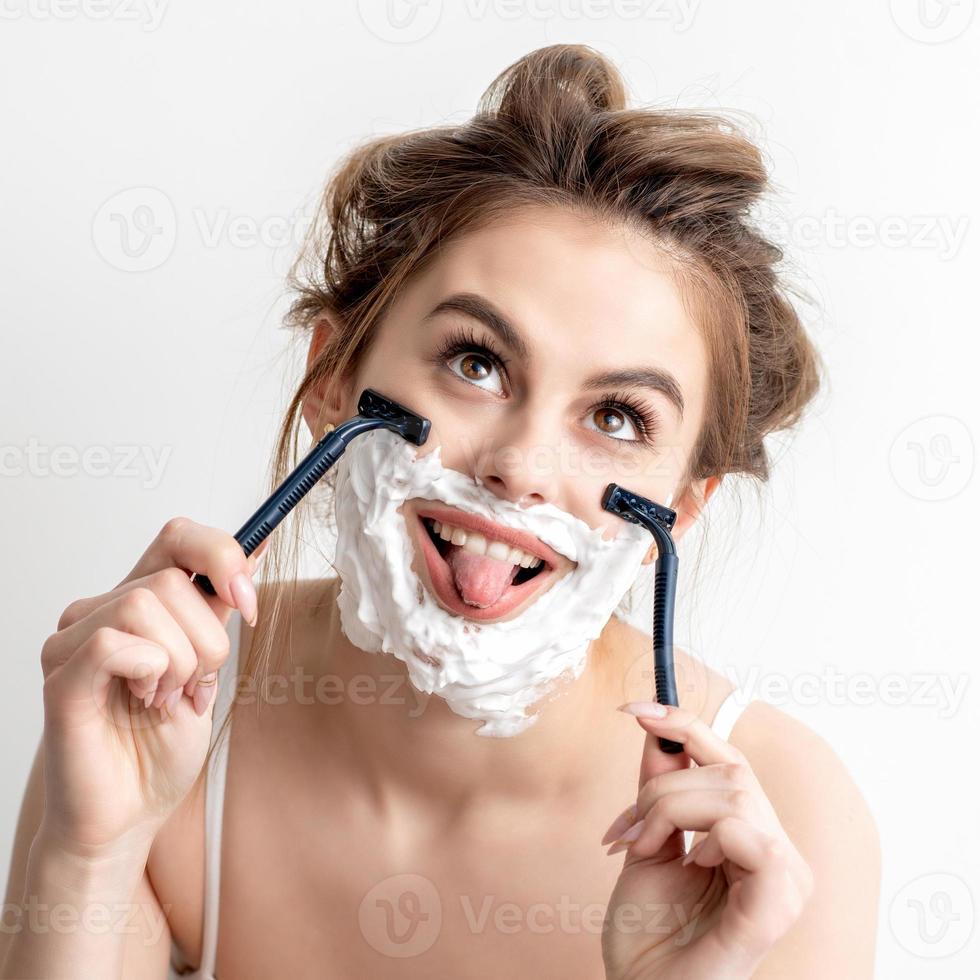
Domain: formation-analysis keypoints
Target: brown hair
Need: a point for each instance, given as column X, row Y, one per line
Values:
column 553, row 129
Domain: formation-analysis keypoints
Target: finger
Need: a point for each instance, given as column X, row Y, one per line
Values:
column 726, row 775
column 690, row 810
column 140, row 612
column 737, row 841
column 81, row 608
column 655, row 762
column 220, row 609
column 205, row 550
column 85, row 679
column 722, row 776
column 729, row 776
column 753, row 848
column 763, row 904
column 194, row 615
column 624, row 820
column 143, row 686
column 700, row 743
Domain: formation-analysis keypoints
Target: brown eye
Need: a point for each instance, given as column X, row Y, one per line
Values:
column 474, row 367
column 613, row 422
column 478, row 370
column 608, row 420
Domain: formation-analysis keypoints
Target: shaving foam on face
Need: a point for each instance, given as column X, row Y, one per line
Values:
column 492, row 672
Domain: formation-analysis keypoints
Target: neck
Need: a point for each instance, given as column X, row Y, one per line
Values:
column 409, row 745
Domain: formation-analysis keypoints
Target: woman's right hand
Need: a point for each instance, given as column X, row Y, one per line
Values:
column 129, row 678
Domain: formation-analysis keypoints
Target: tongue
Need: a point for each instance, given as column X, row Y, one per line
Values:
column 481, row 581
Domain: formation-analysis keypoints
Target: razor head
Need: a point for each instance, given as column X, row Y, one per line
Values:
column 637, row 510
column 373, row 405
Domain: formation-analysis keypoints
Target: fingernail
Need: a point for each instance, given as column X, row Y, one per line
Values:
column 243, row 592
column 170, row 704
column 203, row 693
column 634, row 832
column 689, row 857
column 628, row 838
column 644, row 709
column 148, row 700
column 626, row 819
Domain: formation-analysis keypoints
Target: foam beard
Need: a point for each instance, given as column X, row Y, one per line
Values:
column 492, row 672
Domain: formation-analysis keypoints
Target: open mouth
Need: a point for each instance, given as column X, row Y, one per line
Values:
column 444, row 547
column 475, row 574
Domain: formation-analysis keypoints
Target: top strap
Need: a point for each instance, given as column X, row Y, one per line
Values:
column 729, row 711
column 214, row 799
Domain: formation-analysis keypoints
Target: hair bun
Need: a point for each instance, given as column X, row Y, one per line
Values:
column 568, row 79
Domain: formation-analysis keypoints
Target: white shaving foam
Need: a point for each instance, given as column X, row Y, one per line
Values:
column 492, row 672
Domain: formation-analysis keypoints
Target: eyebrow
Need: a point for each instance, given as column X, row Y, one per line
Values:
column 480, row 308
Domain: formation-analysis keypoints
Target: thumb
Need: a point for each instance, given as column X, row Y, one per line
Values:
column 653, row 762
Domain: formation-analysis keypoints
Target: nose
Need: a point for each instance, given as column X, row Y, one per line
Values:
column 518, row 462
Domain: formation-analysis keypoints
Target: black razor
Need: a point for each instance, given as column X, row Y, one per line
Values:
column 659, row 521
column 374, row 411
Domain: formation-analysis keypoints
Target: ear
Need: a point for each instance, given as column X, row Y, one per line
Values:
column 692, row 501
column 323, row 402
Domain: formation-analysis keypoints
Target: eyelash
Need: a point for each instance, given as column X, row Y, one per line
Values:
column 462, row 340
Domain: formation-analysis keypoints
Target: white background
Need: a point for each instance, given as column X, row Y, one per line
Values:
column 853, row 583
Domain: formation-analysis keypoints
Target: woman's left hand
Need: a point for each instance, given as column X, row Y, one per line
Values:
column 717, row 911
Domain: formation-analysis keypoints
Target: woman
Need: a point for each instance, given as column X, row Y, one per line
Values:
column 573, row 294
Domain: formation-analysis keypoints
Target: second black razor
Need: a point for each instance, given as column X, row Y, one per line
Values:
column 659, row 521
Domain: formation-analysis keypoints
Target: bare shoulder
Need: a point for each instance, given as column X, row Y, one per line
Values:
column 824, row 813
column 807, row 782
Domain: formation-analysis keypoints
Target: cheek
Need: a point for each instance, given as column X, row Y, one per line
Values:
column 458, row 449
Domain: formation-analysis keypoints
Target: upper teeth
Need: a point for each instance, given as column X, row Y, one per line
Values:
column 478, row 544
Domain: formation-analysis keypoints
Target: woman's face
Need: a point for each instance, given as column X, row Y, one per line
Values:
column 553, row 356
